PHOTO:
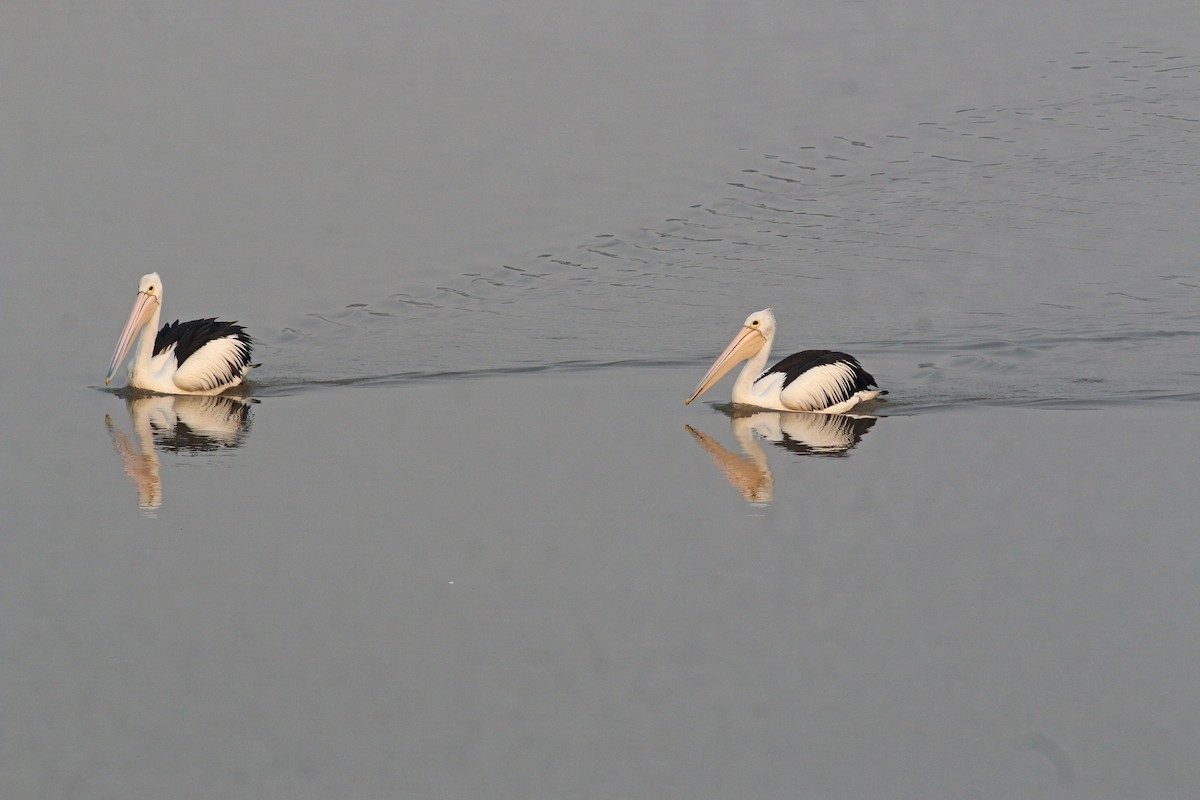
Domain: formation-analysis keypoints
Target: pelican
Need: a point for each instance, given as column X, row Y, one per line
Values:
column 203, row 357
column 823, row 381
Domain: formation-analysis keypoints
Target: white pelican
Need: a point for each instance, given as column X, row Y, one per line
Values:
column 824, row 381
column 203, row 356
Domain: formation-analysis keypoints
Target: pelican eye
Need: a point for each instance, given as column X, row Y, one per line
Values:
column 754, row 324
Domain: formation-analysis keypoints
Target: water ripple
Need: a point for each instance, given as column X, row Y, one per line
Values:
column 1034, row 250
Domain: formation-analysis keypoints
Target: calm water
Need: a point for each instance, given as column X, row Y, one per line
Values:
column 461, row 538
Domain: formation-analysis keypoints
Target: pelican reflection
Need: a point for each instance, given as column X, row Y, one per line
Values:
column 175, row 424
column 800, row 432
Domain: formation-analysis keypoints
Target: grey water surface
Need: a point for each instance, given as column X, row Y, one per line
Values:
column 461, row 538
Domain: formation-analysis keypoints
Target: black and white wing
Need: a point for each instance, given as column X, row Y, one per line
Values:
column 211, row 355
column 818, row 380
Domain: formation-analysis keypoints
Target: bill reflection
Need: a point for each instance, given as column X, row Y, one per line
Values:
column 175, row 424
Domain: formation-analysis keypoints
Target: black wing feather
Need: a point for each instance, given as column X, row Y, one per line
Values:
column 188, row 337
column 797, row 364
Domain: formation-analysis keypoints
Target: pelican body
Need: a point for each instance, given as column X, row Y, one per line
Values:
column 201, row 357
column 823, row 381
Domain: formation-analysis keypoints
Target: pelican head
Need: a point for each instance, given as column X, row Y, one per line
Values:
column 758, row 331
column 145, row 308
